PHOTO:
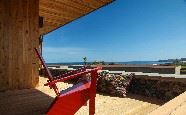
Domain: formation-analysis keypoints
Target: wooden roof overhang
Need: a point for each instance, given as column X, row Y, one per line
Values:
column 57, row 13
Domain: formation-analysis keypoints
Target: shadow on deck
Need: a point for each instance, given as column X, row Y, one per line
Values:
column 36, row 102
column 24, row 102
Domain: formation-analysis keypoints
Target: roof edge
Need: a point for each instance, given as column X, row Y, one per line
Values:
column 81, row 16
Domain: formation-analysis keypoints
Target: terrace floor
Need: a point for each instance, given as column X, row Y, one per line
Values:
column 176, row 106
column 36, row 101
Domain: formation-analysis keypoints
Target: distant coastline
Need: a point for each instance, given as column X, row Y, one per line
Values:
column 129, row 62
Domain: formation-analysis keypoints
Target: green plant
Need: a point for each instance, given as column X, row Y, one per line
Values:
column 85, row 60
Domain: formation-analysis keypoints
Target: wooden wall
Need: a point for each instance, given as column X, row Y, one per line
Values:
column 19, row 33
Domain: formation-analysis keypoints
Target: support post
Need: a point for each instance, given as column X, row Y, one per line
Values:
column 19, row 33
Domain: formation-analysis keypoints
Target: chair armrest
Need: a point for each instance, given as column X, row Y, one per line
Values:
column 50, row 83
column 70, row 73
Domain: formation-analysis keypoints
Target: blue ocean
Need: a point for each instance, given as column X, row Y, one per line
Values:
column 129, row 62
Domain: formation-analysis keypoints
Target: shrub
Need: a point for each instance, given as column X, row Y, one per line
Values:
column 115, row 85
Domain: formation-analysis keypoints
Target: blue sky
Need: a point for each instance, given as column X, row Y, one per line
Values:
column 126, row 30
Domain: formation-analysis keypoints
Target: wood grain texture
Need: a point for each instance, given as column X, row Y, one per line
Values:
column 19, row 33
column 57, row 13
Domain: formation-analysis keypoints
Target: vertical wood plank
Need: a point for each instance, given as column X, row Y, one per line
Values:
column 19, row 33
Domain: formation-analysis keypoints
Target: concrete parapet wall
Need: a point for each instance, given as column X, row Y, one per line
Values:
column 132, row 68
column 141, row 68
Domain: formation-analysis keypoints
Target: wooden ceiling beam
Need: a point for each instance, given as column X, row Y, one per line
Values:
column 105, row 1
column 48, row 27
column 74, row 5
column 57, row 13
column 56, row 22
column 64, row 14
column 84, row 4
column 60, row 7
column 44, row 30
column 89, row 3
column 46, row 13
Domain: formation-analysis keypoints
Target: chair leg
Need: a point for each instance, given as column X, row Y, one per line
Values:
column 92, row 106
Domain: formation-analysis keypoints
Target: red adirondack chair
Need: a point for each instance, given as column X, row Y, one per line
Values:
column 69, row 101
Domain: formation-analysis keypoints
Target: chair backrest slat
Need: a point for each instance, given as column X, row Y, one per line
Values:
column 49, row 75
